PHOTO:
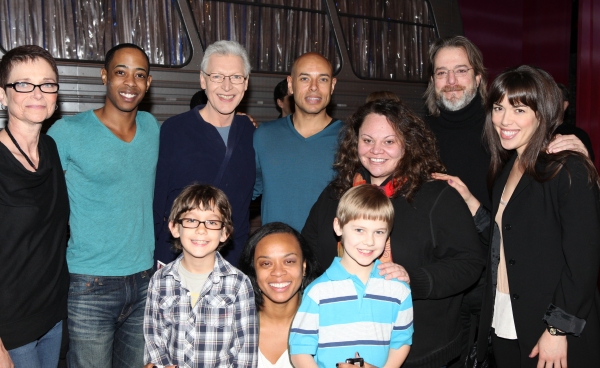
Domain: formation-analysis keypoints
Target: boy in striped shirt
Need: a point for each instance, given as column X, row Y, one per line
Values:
column 351, row 310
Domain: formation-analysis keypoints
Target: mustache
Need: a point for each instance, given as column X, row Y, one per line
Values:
column 453, row 88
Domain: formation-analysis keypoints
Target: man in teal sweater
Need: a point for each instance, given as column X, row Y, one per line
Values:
column 294, row 155
column 109, row 156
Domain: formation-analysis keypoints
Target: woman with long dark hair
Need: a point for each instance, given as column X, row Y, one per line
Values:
column 541, row 302
column 385, row 144
column 280, row 264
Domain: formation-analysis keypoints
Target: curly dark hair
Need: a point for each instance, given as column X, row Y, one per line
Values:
column 246, row 264
column 420, row 159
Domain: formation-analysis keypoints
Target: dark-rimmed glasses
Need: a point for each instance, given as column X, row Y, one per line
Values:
column 26, row 87
column 190, row 223
column 220, row 78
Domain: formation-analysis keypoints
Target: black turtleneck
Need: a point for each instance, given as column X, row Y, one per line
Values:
column 459, row 136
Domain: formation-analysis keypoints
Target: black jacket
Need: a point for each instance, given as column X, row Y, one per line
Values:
column 435, row 239
column 551, row 235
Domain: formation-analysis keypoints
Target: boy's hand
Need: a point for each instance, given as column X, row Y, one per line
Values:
column 348, row 365
column 391, row 271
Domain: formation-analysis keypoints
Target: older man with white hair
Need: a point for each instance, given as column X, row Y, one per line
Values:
column 209, row 144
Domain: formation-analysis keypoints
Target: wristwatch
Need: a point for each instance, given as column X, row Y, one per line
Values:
column 555, row 331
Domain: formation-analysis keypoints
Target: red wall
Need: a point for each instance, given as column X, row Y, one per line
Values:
column 588, row 72
column 514, row 32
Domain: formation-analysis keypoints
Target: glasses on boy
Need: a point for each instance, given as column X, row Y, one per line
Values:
column 190, row 223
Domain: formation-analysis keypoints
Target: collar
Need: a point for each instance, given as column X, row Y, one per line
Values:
column 291, row 119
column 221, row 269
column 389, row 186
column 337, row 272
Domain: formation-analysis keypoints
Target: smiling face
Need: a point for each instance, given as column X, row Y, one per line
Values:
column 379, row 147
column 311, row 83
column 31, row 107
column 223, row 98
column 454, row 93
column 363, row 241
column 199, row 244
column 279, row 267
column 126, row 79
column 515, row 125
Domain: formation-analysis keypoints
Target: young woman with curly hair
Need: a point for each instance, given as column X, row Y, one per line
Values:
column 433, row 243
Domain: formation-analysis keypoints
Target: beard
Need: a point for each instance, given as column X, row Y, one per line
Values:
column 455, row 104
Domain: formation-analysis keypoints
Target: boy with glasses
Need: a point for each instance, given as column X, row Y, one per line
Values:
column 200, row 310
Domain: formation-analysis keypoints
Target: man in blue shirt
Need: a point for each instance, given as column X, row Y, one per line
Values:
column 109, row 156
column 294, row 155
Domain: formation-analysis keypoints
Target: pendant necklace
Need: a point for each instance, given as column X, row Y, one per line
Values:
column 19, row 147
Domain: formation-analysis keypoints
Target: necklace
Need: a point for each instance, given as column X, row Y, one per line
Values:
column 19, row 147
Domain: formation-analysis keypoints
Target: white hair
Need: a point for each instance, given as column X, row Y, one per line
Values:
column 225, row 48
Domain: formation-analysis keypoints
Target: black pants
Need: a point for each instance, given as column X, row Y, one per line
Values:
column 469, row 318
column 508, row 354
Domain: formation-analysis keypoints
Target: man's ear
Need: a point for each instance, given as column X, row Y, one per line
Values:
column 202, row 82
column 478, row 80
column 280, row 103
column 289, row 80
column 103, row 76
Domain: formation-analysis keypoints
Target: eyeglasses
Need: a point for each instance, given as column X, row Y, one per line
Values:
column 26, row 87
column 219, row 78
column 190, row 223
column 458, row 72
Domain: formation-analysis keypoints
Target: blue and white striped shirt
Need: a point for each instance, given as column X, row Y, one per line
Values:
column 339, row 315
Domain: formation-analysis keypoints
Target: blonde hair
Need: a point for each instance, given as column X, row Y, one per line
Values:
column 204, row 198
column 365, row 202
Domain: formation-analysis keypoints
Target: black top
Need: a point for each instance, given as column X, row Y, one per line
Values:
column 459, row 136
column 434, row 238
column 34, row 279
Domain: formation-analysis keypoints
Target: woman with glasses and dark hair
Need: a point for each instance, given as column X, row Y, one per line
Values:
column 280, row 264
column 541, row 302
column 34, row 211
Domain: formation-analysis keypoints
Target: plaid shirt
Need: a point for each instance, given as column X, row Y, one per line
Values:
column 221, row 330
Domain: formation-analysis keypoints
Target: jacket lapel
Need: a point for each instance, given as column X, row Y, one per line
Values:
column 524, row 182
